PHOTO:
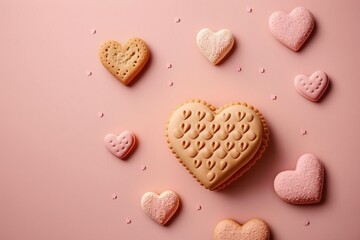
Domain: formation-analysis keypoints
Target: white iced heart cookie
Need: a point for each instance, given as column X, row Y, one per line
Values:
column 215, row 46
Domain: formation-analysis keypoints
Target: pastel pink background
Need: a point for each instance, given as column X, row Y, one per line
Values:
column 57, row 177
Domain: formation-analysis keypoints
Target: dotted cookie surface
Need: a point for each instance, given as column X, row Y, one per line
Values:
column 216, row 146
column 124, row 62
column 120, row 145
column 312, row 87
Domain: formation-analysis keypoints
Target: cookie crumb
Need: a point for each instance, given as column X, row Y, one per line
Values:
column 249, row 9
column 169, row 65
column 127, row 220
column 303, row 132
column 261, row 70
column 114, row 196
column 93, row 31
column 198, row 207
column 273, row 97
column 307, row 222
column 177, row 20
column 89, row 73
column 100, row 114
column 238, row 68
column 170, row 83
column 143, row 167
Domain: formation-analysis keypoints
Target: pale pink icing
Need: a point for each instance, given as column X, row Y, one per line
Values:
column 312, row 87
column 160, row 207
column 215, row 46
column 303, row 185
column 292, row 29
column 120, row 145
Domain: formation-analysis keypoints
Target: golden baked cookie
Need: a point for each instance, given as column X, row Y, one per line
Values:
column 124, row 62
column 217, row 145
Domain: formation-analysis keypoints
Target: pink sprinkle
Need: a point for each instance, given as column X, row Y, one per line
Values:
column 307, row 222
column 89, row 73
column 170, row 83
column 303, row 131
column 176, row 19
column 198, row 207
column 127, row 220
column 93, row 31
column 273, row 97
column 249, row 9
column 238, row 68
column 168, row 65
column 143, row 167
column 261, row 70
column 100, row 114
column 114, row 196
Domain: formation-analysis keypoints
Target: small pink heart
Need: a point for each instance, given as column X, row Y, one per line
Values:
column 120, row 145
column 161, row 207
column 292, row 29
column 312, row 87
column 303, row 185
column 215, row 46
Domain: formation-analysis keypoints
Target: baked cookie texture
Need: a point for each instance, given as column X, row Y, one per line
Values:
column 254, row 229
column 217, row 146
column 124, row 61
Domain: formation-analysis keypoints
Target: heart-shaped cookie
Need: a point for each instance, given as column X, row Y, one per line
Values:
column 120, row 145
column 254, row 229
column 124, row 62
column 217, row 145
column 215, row 46
column 304, row 185
column 312, row 87
column 161, row 207
column 292, row 29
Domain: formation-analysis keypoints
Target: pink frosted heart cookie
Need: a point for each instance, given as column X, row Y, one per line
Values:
column 215, row 46
column 292, row 29
column 161, row 207
column 303, row 185
column 254, row 229
column 312, row 87
column 120, row 145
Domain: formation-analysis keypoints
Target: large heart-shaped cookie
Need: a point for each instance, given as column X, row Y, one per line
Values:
column 312, row 87
column 215, row 46
column 217, row 145
column 292, row 29
column 124, row 62
column 304, row 185
column 254, row 229
column 121, row 146
column 161, row 207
